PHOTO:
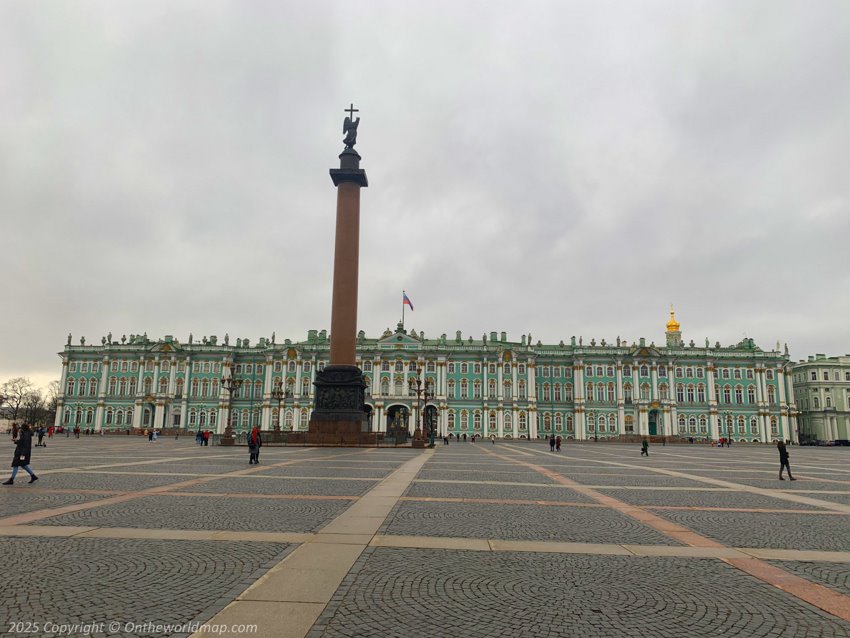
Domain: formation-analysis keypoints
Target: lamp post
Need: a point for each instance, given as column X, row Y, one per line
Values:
column 280, row 395
column 423, row 393
column 231, row 385
column 728, row 415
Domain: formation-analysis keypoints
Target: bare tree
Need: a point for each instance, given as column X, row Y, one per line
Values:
column 15, row 392
column 34, row 407
column 52, row 400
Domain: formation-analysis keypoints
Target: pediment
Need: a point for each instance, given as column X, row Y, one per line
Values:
column 644, row 352
column 398, row 339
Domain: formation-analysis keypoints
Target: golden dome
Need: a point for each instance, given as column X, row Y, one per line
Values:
column 672, row 325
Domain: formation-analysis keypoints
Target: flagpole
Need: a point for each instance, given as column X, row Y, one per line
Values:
column 403, row 293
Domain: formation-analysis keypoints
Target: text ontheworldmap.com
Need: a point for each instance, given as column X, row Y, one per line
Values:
column 118, row 626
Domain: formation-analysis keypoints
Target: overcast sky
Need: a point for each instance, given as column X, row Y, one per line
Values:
column 559, row 168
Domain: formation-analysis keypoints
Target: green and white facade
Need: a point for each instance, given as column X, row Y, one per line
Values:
column 491, row 386
column 823, row 386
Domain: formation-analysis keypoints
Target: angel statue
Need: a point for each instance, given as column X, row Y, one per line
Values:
column 349, row 127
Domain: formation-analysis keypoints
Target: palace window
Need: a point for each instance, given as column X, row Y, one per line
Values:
column 611, row 394
column 589, row 389
column 122, row 386
column 679, row 373
column 520, row 368
column 750, row 374
column 464, row 368
column 700, row 373
column 133, row 386
column 290, row 366
column 476, row 420
column 430, row 367
column 751, row 395
column 609, row 371
column 739, row 395
column 464, row 389
column 163, row 385
column 627, row 371
column 692, row 425
column 644, row 371
column 508, row 369
column 754, row 425
column 736, row 373
column 508, row 390
column 492, row 368
column 627, row 393
column 662, row 371
column 769, row 375
column 689, row 372
column 451, row 368
column 491, row 388
column 523, row 421
column 600, row 392
column 771, row 395
column 663, row 391
column 521, row 390
column 727, row 394
column 464, row 419
column 491, row 420
column 547, row 395
column 568, row 392
column 599, row 371
column 774, row 428
column 556, row 392
column 569, row 423
column 644, row 392
column 588, row 371
column 451, row 420
column 451, row 388
column 476, row 368
column 724, row 373
column 124, row 366
column 703, row 425
column 701, row 393
column 680, row 393
column 682, row 424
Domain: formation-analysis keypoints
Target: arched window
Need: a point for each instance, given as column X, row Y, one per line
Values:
column 451, row 420
column 146, row 417
column 287, row 419
column 245, row 416
column 739, row 395
column 305, row 387
column 491, row 421
column 122, row 386
column 611, row 394
column 234, row 418
column 559, row 422
column 193, row 418
column 476, row 420
column 701, row 393
column 119, row 417
column 163, row 385
column 399, row 385
column 90, row 416
column 464, row 419
column 509, row 422
column 644, row 391
column 774, row 429
column 547, row 394
column 367, row 366
column 727, row 394
column 385, row 386
column 691, row 394
column 682, row 424
column 591, row 423
column 202, row 419
column 148, row 385
column 568, row 392
column 450, row 387
column 522, row 421
column 662, row 371
column 70, row 388
column 692, row 425
column 569, row 423
column 703, row 425
column 680, row 393
column 600, row 392
column 464, row 388
column 827, row 401
column 754, row 425
column 133, row 387
column 547, row 422
column 491, row 388
column 205, row 388
column 399, row 366
column 298, row 414
column 742, row 425
column 93, row 387
column 771, row 395
column 213, row 418
column 589, row 389
column 609, row 371
column 508, row 390
column 522, row 392
column 751, row 395
column 112, row 385
column 627, row 393
column 644, row 371
column 476, row 389
column 129, row 416
column 258, row 389
column 627, row 371
column 195, row 387
column 663, row 391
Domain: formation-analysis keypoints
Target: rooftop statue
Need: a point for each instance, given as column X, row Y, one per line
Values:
column 69, row 338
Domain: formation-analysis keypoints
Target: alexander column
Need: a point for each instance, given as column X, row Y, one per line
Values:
column 339, row 416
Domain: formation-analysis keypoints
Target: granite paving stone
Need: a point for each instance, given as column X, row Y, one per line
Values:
column 20, row 501
column 96, row 580
column 781, row 531
column 833, row 575
column 257, row 484
column 689, row 498
column 501, row 492
column 220, row 513
column 445, row 593
column 520, row 522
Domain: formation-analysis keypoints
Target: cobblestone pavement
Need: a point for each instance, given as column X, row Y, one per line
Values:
column 405, row 592
column 84, row 539
column 91, row 580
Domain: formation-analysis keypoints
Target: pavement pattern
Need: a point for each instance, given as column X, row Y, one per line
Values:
column 124, row 537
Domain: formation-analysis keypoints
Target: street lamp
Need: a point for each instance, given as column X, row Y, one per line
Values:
column 280, row 395
column 231, row 385
column 728, row 416
column 423, row 393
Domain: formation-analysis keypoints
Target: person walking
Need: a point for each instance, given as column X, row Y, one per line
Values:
column 41, row 442
column 255, row 442
column 551, row 442
column 23, row 451
column 644, row 448
column 783, row 460
column 558, row 443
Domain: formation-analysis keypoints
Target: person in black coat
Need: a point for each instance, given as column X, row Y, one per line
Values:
column 23, row 451
column 783, row 460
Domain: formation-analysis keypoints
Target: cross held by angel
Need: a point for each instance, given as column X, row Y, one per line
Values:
column 349, row 127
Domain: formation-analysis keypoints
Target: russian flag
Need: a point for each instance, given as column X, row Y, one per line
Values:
column 406, row 300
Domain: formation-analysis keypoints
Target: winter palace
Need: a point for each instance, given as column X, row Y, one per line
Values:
column 491, row 386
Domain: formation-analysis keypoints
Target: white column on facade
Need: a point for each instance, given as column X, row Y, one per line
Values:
column 101, row 395
column 184, row 400
column 514, row 422
column 531, row 370
column 499, row 383
column 298, row 363
column 713, row 425
column 653, row 371
column 60, row 403
column 579, row 398
column 532, row 424
column 376, row 376
column 484, row 381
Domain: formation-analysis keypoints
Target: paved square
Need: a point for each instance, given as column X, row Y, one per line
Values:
column 464, row 540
